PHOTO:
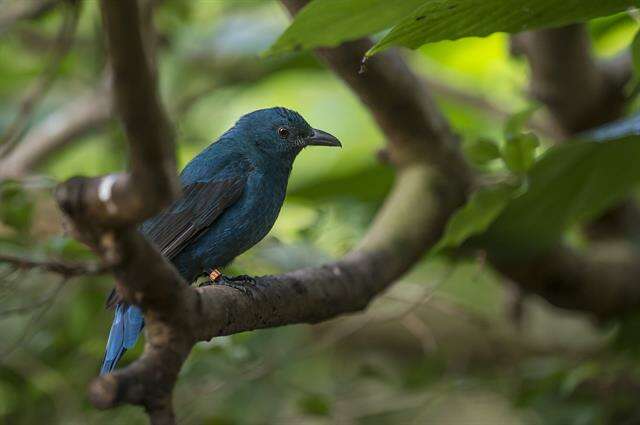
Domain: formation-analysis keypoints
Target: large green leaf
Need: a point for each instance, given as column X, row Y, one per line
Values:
column 330, row 22
column 437, row 20
column 476, row 215
column 569, row 184
column 16, row 206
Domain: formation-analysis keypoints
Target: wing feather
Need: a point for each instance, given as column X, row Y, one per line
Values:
column 201, row 204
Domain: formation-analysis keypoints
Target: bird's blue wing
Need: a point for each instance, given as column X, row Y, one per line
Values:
column 201, row 204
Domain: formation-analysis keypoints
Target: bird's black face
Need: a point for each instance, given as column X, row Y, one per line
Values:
column 282, row 132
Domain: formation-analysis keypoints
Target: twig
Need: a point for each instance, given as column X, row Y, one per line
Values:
column 30, row 307
column 63, row 268
column 27, row 334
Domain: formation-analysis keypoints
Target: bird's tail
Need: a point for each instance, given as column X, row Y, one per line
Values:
column 127, row 325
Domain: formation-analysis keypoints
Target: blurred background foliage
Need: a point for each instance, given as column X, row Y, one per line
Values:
column 447, row 345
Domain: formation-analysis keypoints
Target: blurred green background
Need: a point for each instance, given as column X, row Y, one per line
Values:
column 445, row 346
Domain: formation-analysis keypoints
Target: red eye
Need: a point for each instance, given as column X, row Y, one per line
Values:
column 283, row 133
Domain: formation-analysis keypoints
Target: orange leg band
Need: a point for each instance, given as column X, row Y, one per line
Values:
column 214, row 275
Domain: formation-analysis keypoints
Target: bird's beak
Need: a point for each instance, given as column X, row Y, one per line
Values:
column 322, row 138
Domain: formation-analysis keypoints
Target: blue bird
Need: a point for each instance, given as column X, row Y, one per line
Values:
column 232, row 193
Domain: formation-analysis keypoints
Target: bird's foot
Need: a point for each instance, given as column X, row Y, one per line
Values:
column 242, row 279
column 242, row 283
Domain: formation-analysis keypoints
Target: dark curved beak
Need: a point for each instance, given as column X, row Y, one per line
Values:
column 322, row 138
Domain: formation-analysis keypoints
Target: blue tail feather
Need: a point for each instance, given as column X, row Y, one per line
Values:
column 127, row 324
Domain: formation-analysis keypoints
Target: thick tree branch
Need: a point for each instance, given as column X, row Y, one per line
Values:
column 601, row 281
column 150, row 135
column 104, row 211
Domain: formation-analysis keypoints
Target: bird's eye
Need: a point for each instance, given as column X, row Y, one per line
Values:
column 283, row 133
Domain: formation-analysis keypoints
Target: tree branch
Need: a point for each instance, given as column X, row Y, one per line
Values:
column 580, row 92
column 150, row 134
column 601, row 281
column 105, row 210
column 87, row 113
column 117, row 200
column 63, row 268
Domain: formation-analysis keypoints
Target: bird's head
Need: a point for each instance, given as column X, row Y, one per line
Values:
column 281, row 132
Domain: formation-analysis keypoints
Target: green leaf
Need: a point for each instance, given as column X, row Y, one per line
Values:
column 476, row 215
column 314, row 404
column 16, row 206
column 481, row 151
column 519, row 152
column 439, row 20
column 330, row 22
column 570, row 183
column 576, row 376
column 516, row 122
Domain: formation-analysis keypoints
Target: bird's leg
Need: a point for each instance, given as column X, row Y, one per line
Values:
column 215, row 275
